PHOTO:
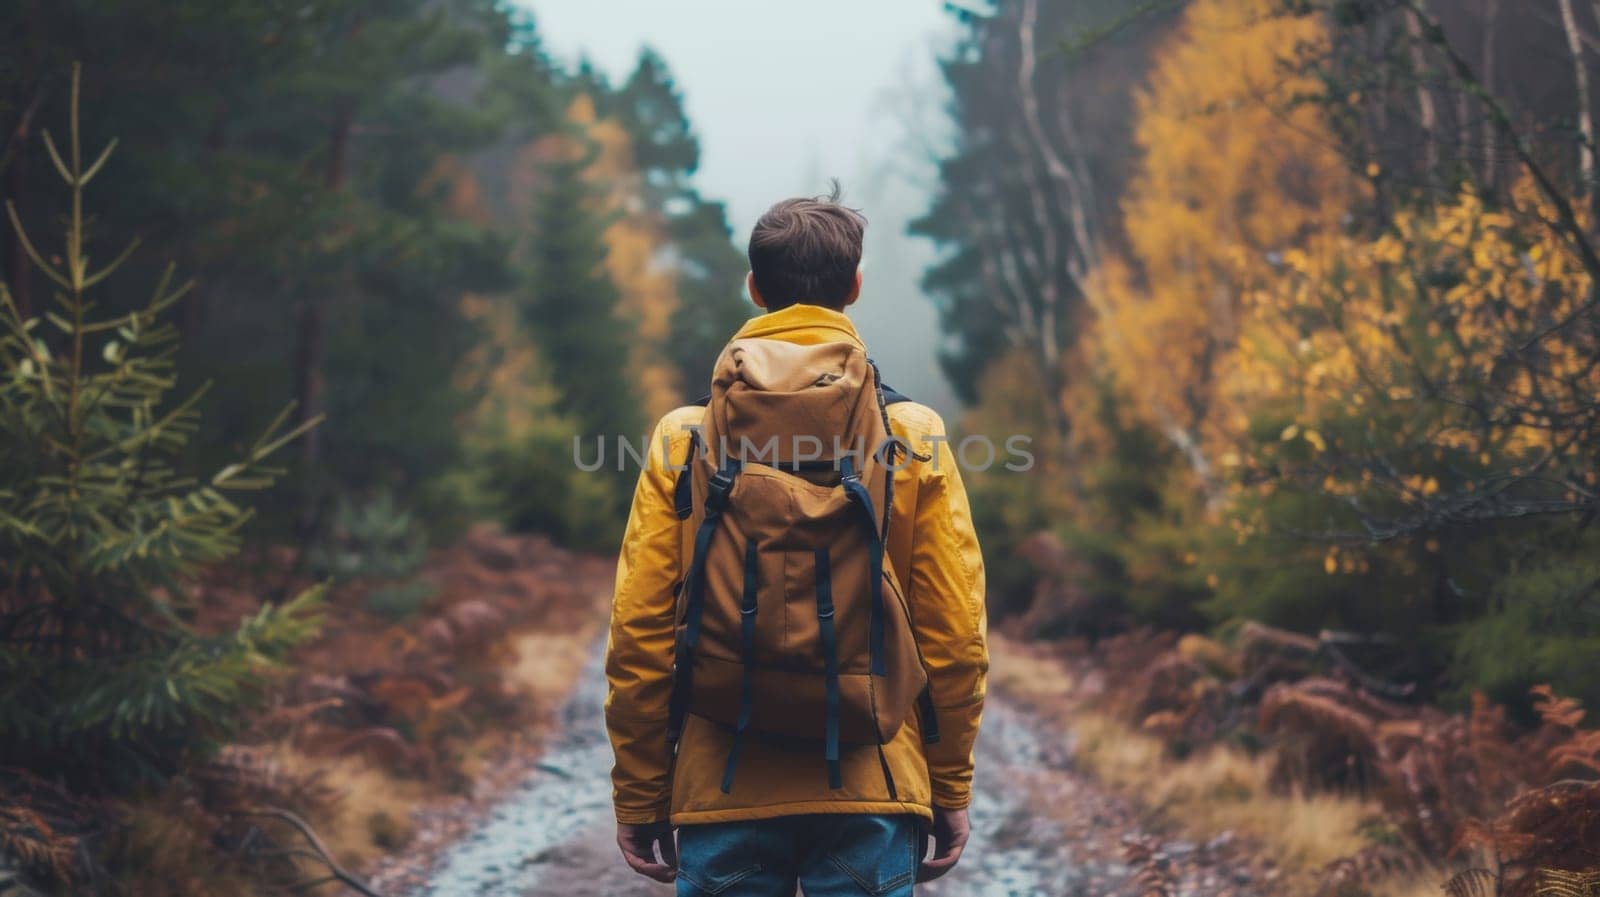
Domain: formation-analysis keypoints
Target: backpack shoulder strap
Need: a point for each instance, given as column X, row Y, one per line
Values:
column 682, row 487
column 682, row 495
column 925, row 712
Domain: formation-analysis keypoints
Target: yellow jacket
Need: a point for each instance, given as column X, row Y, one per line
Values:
column 934, row 551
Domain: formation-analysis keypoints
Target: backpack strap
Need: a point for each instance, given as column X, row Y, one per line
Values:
column 747, row 656
column 888, row 395
column 830, row 665
column 683, row 486
column 851, row 480
column 720, row 485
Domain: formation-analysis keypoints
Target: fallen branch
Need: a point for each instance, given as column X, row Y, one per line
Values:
column 1268, row 643
column 336, row 872
column 1329, row 643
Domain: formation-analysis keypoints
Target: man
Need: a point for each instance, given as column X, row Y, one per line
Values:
column 757, row 815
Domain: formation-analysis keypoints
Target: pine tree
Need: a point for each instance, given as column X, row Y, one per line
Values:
column 105, row 676
column 710, row 290
column 573, row 308
column 651, row 108
column 710, row 269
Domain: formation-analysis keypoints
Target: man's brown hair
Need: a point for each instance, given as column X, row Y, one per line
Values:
column 807, row 250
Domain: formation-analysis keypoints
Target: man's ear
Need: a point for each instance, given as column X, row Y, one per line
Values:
column 855, row 291
column 755, row 294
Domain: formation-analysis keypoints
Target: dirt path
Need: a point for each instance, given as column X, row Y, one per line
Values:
column 1041, row 829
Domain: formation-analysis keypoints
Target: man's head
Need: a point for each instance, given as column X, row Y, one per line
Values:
column 807, row 250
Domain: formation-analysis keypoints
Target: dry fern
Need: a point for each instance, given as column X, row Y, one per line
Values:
column 1560, row 883
column 42, row 827
column 1450, row 782
column 1471, row 883
column 1324, row 714
column 35, row 846
column 1570, row 749
column 1328, row 738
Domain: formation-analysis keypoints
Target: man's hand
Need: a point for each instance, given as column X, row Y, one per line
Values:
column 951, row 829
column 639, row 842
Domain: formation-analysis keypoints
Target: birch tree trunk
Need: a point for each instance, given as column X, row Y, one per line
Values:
column 1427, row 112
column 1580, row 75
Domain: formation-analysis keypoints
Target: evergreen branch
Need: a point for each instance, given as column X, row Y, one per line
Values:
column 264, row 446
column 72, row 118
column 272, row 426
column 115, row 263
column 108, row 324
column 162, row 299
column 155, row 429
column 300, row 430
column 94, row 168
column 239, row 520
column 55, row 157
column 33, row 253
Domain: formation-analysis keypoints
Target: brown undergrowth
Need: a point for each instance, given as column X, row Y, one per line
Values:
column 377, row 719
column 1347, row 791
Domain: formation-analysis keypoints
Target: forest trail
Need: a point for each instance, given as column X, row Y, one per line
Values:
column 1041, row 829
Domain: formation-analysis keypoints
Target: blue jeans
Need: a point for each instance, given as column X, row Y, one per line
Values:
column 830, row 855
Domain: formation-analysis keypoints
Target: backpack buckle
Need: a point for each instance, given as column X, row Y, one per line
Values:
column 718, row 487
column 847, row 469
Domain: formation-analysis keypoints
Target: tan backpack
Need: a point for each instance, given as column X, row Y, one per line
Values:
column 789, row 622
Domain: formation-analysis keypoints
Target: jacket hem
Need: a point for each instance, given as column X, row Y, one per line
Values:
column 640, row 817
column 952, row 801
column 800, row 808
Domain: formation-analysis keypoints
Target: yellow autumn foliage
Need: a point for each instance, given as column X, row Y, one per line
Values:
column 1246, row 294
column 1233, row 175
column 514, row 395
column 1459, row 302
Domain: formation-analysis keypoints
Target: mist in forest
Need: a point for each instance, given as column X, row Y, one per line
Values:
column 784, row 98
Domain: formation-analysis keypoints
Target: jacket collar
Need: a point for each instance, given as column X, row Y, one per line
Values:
column 803, row 324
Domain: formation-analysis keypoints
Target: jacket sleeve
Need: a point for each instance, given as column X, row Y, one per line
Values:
column 946, row 595
column 639, row 646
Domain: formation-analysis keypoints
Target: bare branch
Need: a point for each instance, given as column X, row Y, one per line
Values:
column 1567, row 224
column 337, row 871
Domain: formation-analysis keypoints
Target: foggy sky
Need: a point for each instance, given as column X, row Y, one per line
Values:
column 785, row 95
